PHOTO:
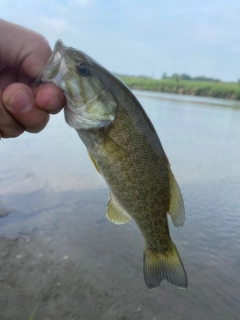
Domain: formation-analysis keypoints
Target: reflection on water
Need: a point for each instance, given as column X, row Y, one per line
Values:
column 74, row 264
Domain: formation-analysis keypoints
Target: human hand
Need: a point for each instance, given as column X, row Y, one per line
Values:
column 23, row 106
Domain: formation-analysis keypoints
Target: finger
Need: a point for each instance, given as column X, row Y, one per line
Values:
column 8, row 75
column 9, row 127
column 50, row 98
column 19, row 101
column 23, row 47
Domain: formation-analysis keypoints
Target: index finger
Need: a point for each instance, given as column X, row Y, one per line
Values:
column 24, row 48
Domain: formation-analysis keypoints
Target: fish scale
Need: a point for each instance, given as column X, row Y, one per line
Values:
column 126, row 150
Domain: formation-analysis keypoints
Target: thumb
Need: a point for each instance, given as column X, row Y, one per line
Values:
column 9, row 127
column 19, row 101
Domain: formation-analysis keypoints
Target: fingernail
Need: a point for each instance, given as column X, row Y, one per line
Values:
column 19, row 102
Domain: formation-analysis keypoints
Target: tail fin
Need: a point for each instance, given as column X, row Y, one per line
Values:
column 159, row 266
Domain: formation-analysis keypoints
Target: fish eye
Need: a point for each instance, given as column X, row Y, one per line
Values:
column 83, row 69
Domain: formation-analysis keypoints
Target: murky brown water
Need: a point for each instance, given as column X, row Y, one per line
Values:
column 60, row 254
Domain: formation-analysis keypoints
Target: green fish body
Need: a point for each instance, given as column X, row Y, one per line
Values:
column 125, row 149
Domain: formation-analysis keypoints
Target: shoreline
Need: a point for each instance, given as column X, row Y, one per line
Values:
column 184, row 98
column 208, row 89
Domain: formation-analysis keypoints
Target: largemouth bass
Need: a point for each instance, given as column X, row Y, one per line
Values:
column 125, row 149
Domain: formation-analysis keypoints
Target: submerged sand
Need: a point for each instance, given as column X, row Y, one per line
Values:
column 61, row 257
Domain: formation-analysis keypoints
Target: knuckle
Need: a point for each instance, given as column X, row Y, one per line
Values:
column 40, row 42
column 39, row 125
column 9, row 127
column 11, row 132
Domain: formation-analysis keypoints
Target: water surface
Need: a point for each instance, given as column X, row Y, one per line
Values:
column 60, row 253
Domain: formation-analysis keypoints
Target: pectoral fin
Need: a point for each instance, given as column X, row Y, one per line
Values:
column 115, row 213
column 176, row 208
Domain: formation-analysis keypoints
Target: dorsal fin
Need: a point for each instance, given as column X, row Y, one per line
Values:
column 176, row 208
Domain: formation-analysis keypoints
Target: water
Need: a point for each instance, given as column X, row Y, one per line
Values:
column 60, row 255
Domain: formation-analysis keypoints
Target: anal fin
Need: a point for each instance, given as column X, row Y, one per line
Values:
column 115, row 212
column 176, row 208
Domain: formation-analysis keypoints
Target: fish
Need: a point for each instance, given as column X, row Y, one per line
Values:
column 126, row 151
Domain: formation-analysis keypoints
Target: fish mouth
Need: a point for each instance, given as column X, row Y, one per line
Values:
column 55, row 68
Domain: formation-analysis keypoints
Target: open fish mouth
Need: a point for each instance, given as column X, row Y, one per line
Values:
column 56, row 68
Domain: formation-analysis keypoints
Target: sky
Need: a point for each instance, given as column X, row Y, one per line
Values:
column 139, row 37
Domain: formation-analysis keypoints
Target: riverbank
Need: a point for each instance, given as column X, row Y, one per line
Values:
column 224, row 90
column 61, row 257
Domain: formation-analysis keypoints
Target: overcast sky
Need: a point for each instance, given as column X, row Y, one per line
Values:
column 141, row 37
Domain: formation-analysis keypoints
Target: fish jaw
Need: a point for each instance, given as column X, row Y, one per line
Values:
column 56, row 68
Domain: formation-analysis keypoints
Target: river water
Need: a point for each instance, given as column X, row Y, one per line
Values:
column 62, row 258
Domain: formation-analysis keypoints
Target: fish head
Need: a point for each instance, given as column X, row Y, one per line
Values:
column 90, row 105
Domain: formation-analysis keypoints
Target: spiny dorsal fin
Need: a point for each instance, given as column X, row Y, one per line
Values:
column 93, row 162
column 176, row 208
column 115, row 213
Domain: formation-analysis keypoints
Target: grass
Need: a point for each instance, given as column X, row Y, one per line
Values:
column 225, row 90
column 32, row 315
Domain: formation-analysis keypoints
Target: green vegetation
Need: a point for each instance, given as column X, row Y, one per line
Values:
column 176, row 84
column 185, row 76
column 32, row 315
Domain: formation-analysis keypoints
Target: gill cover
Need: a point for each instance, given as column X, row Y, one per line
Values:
column 89, row 104
column 94, row 114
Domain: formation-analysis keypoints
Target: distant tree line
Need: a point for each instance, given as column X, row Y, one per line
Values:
column 177, row 77
column 134, row 76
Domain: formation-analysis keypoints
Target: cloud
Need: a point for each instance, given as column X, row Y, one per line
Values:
column 82, row 3
column 236, row 49
column 206, row 34
column 132, row 36
column 57, row 24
